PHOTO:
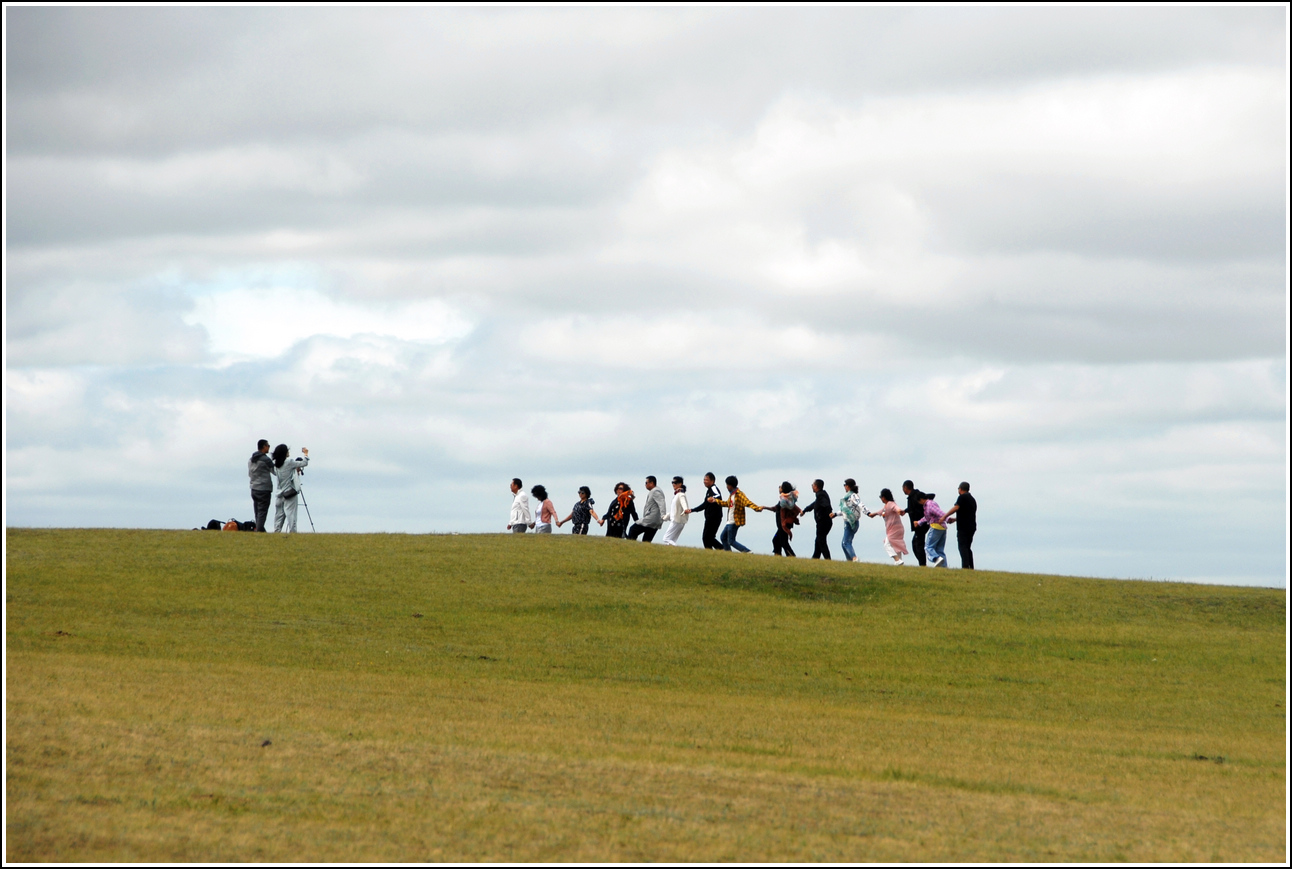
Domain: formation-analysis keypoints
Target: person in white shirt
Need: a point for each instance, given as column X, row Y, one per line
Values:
column 678, row 512
column 289, row 487
column 521, row 517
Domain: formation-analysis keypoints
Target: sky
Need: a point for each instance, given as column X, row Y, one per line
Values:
column 1042, row 250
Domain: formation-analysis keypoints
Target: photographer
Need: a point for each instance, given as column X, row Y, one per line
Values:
column 260, row 469
column 288, row 486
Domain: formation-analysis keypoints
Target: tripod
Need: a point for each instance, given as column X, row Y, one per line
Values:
column 304, row 504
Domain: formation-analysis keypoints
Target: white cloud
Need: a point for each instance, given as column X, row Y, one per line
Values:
column 245, row 323
column 681, row 341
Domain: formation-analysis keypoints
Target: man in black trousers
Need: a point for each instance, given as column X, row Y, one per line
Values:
column 821, row 510
column 915, row 512
column 712, row 511
column 966, row 524
column 260, row 468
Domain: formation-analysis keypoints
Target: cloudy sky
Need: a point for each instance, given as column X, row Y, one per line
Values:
column 1042, row 250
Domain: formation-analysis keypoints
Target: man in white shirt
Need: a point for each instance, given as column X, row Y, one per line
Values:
column 678, row 513
column 520, row 515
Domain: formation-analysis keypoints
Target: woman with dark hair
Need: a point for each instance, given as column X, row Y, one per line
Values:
column 850, row 508
column 787, row 516
column 622, row 511
column 678, row 509
column 546, row 512
column 285, row 470
column 935, row 518
column 581, row 513
column 894, row 544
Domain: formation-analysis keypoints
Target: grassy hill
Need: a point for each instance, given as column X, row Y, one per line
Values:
column 204, row 696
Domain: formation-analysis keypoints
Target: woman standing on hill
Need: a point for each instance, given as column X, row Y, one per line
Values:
column 582, row 512
column 787, row 513
column 622, row 511
column 935, row 518
column 285, row 509
column 850, row 508
column 546, row 512
column 894, row 544
column 678, row 509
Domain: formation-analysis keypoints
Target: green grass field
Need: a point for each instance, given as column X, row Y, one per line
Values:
column 204, row 696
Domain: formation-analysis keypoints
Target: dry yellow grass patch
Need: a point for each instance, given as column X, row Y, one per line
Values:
column 449, row 699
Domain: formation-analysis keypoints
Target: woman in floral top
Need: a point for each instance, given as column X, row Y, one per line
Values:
column 850, row 508
column 581, row 513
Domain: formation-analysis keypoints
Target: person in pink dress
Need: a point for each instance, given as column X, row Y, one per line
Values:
column 894, row 544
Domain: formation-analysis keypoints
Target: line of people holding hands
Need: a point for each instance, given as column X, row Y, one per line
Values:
column 929, row 522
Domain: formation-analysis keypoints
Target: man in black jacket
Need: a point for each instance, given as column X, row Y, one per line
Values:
column 821, row 510
column 260, row 468
column 915, row 512
column 712, row 511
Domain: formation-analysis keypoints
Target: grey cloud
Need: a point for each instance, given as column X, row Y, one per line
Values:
column 99, row 325
column 168, row 79
column 1101, row 220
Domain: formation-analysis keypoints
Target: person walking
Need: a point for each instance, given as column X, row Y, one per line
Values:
column 546, row 512
column 260, row 468
column 914, row 513
column 822, row 512
column 735, row 506
column 288, row 487
column 521, row 517
column 894, row 545
column 787, row 516
column 652, row 514
column 622, row 511
column 965, row 515
column 935, row 520
column 712, row 511
column 678, row 512
column 581, row 513
column 850, row 508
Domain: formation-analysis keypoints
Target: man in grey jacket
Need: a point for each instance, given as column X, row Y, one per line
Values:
column 652, row 514
column 260, row 468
